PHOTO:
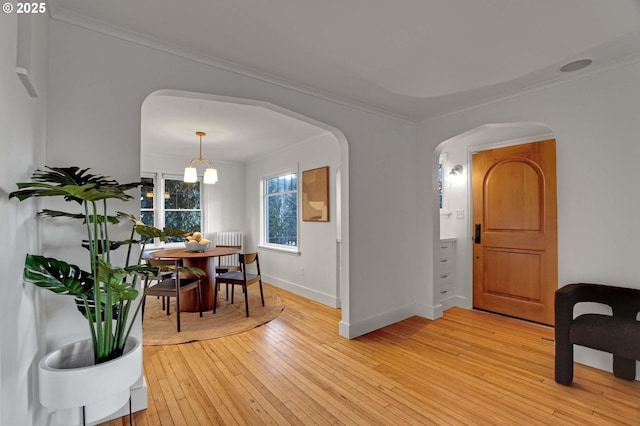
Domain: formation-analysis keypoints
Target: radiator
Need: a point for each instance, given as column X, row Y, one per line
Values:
column 229, row 239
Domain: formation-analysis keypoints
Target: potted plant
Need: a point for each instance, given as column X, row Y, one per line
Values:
column 106, row 293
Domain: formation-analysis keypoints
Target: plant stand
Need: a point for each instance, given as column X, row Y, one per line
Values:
column 84, row 414
column 82, row 392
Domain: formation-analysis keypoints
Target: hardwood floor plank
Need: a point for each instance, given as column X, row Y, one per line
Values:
column 271, row 388
column 284, row 388
column 467, row 368
column 198, row 357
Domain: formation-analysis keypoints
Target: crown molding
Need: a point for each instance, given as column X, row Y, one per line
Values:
column 52, row 7
column 58, row 13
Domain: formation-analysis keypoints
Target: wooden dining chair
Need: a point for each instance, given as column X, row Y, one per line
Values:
column 226, row 264
column 241, row 278
column 151, row 280
column 173, row 286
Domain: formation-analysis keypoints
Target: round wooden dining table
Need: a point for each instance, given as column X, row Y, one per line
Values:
column 204, row 260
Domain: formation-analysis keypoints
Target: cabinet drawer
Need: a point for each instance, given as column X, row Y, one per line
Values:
column 444, row 277
column 445, row 291
column 445, row 263
column 445, row 248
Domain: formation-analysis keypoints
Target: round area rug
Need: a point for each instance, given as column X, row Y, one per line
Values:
column 158, row 328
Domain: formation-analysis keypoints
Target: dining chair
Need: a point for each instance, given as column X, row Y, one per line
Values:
column 174, row 286
column 226, row 264
column 151, row 280
column 241, row 278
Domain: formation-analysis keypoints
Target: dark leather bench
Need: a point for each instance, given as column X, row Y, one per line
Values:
column 618, row 334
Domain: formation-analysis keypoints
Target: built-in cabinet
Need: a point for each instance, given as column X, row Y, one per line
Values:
column 445, row 269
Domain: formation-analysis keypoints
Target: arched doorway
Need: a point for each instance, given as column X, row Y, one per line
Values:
column 454, row 221
column 300, row 265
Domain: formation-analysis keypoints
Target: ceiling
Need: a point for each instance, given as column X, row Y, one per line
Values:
column 412, row 59
column 235, row 132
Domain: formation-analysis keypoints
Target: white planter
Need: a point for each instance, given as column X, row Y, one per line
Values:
column 69, row 380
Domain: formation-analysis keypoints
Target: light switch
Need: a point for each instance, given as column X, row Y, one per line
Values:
column 459, row 214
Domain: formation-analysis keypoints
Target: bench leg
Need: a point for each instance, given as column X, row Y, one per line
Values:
column 624, row 368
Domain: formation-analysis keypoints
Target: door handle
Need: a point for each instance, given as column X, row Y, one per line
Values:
column 478, row 232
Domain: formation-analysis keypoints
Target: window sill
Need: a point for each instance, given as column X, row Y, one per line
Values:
column 294, row 251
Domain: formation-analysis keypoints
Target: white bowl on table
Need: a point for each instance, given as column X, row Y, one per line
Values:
column 196, row 246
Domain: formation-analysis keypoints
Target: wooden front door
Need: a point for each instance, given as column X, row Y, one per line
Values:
column 515, row 249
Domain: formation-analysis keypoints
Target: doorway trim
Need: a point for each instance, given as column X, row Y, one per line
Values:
column 483, row 137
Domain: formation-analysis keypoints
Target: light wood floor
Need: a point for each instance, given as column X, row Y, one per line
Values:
column 468, row 367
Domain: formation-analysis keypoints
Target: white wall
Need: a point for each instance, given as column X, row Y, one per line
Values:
column 22, row 142
column 312, row 273
column 595, row 122
column 99, row 83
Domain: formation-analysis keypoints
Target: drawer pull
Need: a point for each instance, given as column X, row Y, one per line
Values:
column 444, row 291
column 444, row 276
column 444, row 247
column 444, row 260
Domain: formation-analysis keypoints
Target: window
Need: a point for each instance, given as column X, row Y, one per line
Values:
column 180, row 207
column 281, row 210
column 442, row 181
column 147, row 210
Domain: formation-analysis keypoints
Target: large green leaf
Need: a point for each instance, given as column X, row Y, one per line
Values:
column 191, row 269
column 56, row 213
column 123, row 291
column 142, row 269
column 74, row 184
column 113, row 245
column 146, row 269
column 80, row 304
column 78, row 193
column 34, row 189
column 113, row 279
column 130, row 217
column 148, row 232
column 58, row 276
column 71, row 176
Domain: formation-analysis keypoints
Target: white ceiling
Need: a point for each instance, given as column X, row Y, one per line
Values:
column 234, row 132
column 413, row 59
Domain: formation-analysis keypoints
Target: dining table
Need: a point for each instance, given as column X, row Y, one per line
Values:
column 204, row 260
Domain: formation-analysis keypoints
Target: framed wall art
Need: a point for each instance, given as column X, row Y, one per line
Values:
column 315, row 195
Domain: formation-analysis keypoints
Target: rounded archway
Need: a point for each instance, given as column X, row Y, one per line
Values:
column 453, row 192
column 261, row 139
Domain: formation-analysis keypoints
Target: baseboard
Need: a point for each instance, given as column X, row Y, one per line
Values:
column 458, row 301
column 353, row 330
column 325, row 299
column 436, row 311
column 343, row 329
column 597, row 359
column 428, row 312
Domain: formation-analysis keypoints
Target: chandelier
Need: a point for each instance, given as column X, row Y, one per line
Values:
column 190, row 172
